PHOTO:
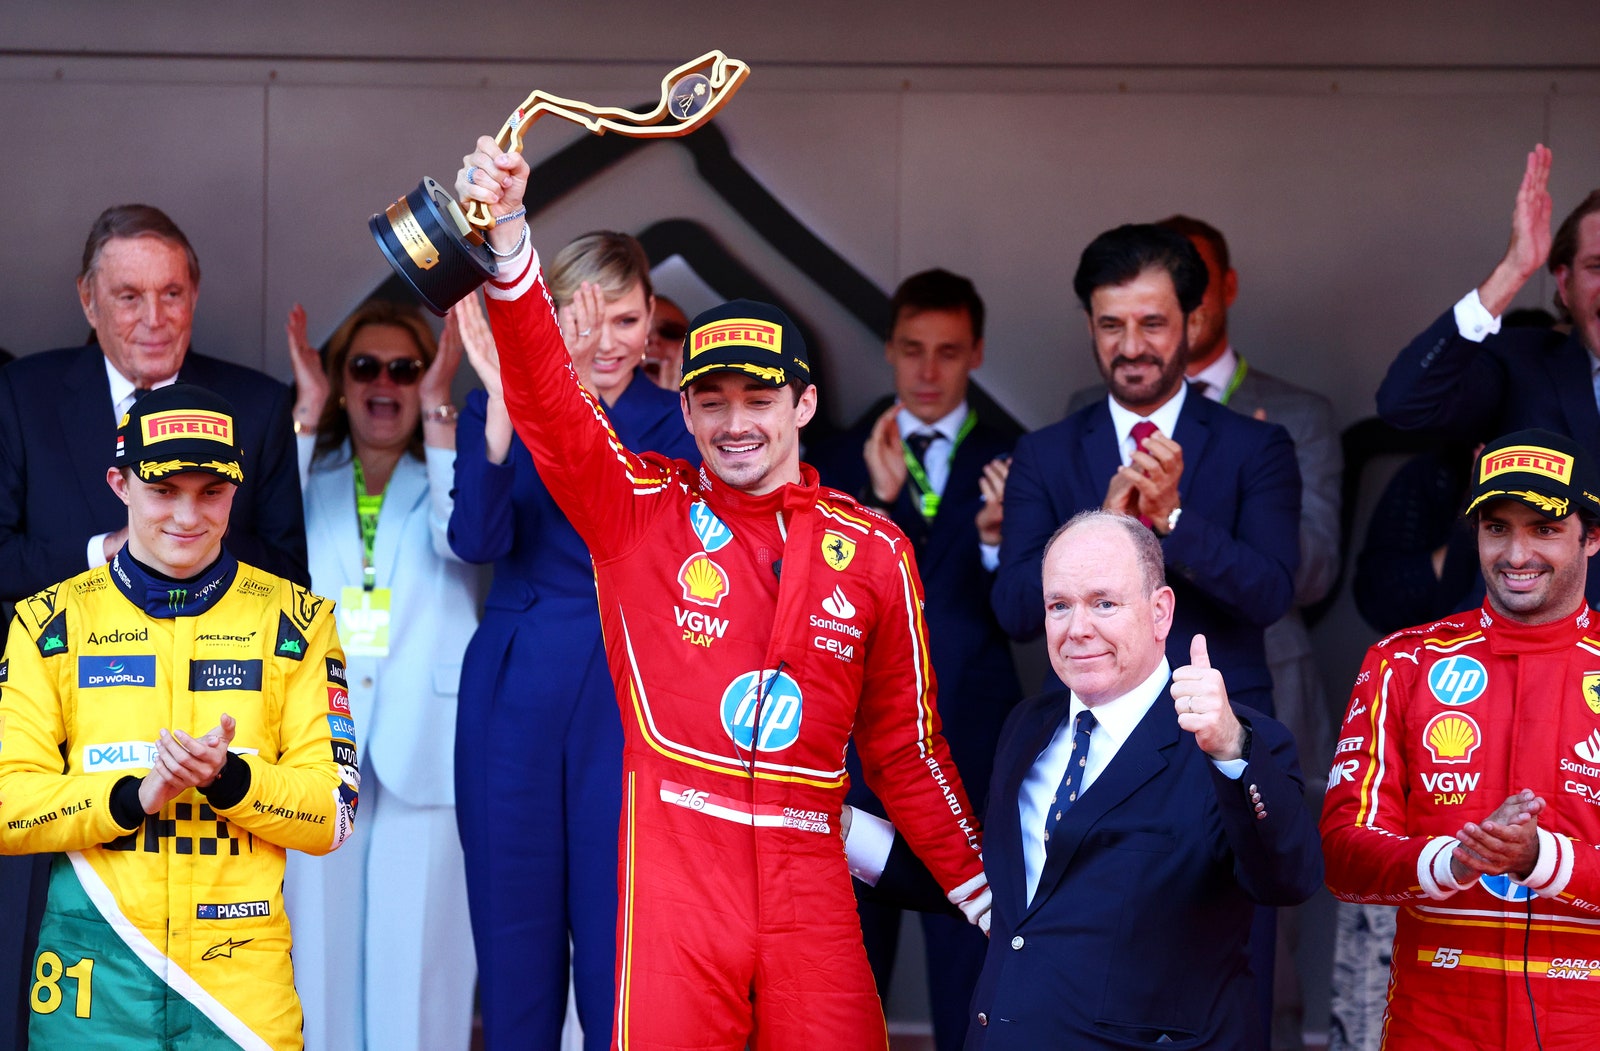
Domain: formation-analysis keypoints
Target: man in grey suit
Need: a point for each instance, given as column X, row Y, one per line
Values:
column 1220, row 373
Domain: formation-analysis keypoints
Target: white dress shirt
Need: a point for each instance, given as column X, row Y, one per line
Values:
column 1217, row 375
column 936, row 461
column 1114, row 721
column 1165, row 418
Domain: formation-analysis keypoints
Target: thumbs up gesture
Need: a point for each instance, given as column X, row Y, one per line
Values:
column 1201, row 700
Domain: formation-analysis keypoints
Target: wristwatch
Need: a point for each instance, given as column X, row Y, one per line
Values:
column 1163, row 529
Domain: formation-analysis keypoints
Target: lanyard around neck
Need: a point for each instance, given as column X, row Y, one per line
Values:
column 367, row 508
column 1240, row 367
column 926, row 500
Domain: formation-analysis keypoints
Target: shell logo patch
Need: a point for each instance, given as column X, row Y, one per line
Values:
column 838, row 550
column 1451, row 737
column 704, row 582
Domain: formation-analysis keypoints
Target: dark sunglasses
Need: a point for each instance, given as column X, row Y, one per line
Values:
column 364, row 368
column 672, row 333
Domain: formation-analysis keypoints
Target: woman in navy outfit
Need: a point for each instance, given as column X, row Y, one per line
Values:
column 539, row 737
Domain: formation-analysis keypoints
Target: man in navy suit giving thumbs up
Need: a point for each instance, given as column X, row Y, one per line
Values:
column 1135, row 820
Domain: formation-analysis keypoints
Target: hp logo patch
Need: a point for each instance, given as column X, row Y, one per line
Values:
column 778, row 698
column 1457, row 680
column 713, row 534
column 1502, row 888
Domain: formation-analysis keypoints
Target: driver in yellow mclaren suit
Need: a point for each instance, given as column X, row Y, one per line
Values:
column 171, row 723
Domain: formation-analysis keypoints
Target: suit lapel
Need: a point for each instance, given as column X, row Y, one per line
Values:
column 1192, row 434
column 332, row 490
column 1003, row 851
column 87, row 429
column 1099, row 447
column 1141, row 757
column 965, row 469
column 407, row 486
column 1574, row 382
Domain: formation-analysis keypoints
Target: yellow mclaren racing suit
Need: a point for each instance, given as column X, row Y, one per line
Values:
column 169, row 931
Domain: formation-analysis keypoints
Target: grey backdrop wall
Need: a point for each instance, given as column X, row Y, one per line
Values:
column 1360, row 156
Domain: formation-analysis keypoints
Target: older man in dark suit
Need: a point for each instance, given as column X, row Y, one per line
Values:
column 58, row 419
column 1135, row 820
column 59, row 412
column 932, row 465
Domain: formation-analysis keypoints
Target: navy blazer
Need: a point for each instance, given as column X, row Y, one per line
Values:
column 1140, row 925
column 1231, row 560
column 1472, row 392
column 972, row 663
column 57, row 437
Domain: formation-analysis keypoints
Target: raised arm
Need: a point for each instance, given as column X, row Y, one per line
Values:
column 601, row 486
column 1530, row 236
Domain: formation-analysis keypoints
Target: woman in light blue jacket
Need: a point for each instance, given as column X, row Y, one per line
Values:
column 382, row 943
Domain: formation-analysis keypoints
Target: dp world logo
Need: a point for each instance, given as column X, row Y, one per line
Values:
column 776, row 696
column 1457, row 680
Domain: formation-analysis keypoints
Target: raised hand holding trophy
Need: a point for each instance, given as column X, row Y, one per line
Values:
column 436, row 245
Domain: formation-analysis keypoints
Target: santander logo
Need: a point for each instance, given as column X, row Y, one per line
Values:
column 837, row 605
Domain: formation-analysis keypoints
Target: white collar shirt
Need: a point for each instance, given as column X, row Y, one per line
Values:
column 122, row 389
column 1114, row 722
column 1165, row 418
column 1217, row 375
column 936, row 461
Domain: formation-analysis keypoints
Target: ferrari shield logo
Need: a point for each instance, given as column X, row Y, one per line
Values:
column 1591, row 690
column 838, row 550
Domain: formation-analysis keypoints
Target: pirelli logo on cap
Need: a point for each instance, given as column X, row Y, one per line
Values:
column 187, row 423
column 1528, row 459
column 740, row 330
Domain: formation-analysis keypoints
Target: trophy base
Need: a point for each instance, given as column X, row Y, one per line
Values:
column 427, row 241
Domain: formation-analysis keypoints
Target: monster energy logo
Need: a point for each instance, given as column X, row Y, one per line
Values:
column 176, row 598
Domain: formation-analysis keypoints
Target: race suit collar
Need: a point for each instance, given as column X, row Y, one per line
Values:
column 788, row 499
column 161, row 596
column 1507, row 636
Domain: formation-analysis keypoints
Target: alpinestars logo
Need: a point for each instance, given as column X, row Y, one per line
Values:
column 838, row 606
column 1588, row 749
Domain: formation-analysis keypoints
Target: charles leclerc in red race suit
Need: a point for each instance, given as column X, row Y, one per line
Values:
column 1447, row 720
column 739, row 686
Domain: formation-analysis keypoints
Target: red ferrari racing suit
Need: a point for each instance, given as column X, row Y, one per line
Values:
column 748, row 637
column 1445, row 722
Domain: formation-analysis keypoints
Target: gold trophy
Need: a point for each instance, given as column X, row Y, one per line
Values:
column 439, row 248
